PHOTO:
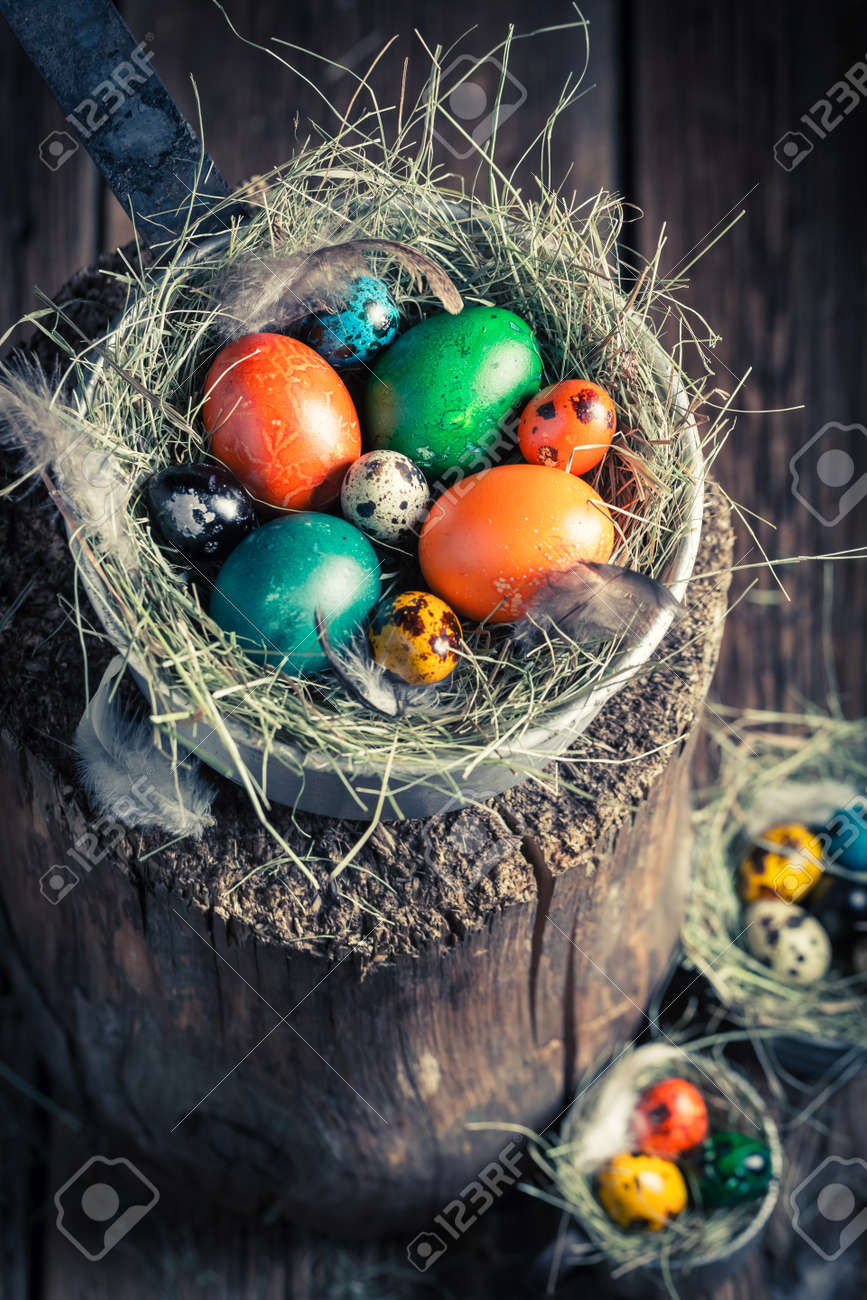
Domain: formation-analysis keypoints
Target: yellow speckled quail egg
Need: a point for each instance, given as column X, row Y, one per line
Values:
column 416, row 636
column 641, row 1191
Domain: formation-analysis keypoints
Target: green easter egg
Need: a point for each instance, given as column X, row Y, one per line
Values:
column 270, row 586
column 439, row 393
column 731, row 1168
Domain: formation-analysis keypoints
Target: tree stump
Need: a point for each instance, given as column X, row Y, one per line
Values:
column 320, row 1053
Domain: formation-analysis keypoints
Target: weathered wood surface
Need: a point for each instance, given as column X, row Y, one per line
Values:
column 714, row 88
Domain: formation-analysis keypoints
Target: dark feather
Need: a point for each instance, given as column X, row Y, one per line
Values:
column 420, row 266
column 273, row 290
column 593, row 602
column 364, row 679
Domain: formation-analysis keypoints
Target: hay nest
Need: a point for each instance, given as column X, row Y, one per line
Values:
column 774, row 768
column 137, row 408
column 697, row 1238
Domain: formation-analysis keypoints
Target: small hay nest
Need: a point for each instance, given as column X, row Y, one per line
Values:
column 774, row 768
column 502, row 717
column 700, row 1247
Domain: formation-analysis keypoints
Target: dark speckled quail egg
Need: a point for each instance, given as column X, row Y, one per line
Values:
column 386, row 496
column 201, row 510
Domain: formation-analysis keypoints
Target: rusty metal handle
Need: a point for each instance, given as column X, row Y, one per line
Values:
column 112, row 98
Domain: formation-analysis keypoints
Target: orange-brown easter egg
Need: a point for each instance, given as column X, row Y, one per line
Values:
column 282, row 419
column 671, row 1117
column 569, row 424
column 493, row 538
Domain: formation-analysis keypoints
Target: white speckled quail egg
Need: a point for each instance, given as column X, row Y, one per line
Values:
column 385, row 495
column 763, row 920
column 803, row 953
column 788, row 939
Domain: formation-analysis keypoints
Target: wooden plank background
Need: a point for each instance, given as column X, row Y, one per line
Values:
column 685, row 102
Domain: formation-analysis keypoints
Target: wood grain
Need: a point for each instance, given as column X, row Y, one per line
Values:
column 49, row 219
column 717, row 87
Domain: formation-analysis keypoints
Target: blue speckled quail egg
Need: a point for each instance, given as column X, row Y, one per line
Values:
column 367, row 324
column 385, row 495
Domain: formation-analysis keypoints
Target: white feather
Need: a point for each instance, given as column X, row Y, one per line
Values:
column 35, row 422
column 129, row 778
column 813, row 804
column 607, row 1130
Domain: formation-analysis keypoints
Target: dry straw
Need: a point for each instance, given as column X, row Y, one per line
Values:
column 543, row 253
column 773, row 767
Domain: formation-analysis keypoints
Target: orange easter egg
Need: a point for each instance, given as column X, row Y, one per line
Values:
column 671, row 1117
column 492, row 539
column 282, row 419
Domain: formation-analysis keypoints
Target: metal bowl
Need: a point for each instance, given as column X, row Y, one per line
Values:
column 315, row 783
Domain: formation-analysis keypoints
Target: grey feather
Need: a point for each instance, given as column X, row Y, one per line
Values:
column 52, row 436
column 270, row 292
column 129, row 778
column 592, row 602
column 366, row 681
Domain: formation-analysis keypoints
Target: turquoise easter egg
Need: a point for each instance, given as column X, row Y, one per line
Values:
column 269, row 588
column 848, row 842
column 442, row 391
column 365, row 326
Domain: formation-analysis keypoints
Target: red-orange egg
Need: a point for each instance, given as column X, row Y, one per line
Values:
column 570, row 423
column 282, row 420
column 671, row 1117
column 493, row 538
